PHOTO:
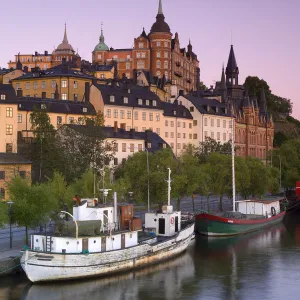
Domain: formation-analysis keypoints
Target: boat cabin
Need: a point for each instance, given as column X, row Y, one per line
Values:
column 268, row 207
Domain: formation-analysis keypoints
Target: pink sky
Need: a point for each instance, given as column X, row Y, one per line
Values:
column 265, row 33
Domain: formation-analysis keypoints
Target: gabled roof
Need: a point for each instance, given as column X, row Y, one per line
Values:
column 175, row 110
column 8, row 91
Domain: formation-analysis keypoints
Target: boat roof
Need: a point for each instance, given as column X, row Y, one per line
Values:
column 266, row 200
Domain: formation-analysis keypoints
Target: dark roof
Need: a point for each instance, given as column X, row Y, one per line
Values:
column 103, row 67
column 109, row 132
column 4, row 71
column 8, row 91
column 144, row 34
column 231, row 64
column 176, row 110
column 128, row 49
column 160, row 25
column 61, row 70
column 209, row 106
column 12, row 158
column 52, row 105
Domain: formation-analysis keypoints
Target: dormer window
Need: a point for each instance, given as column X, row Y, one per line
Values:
column 149, row 145
column 3, row 97
column 154, row 103
column 140, row 101
column 43, row 106
column 191, row 108
column 141, row 45
column 125, row 100
column 147, row 102
column 112, row 98
column 174, row 112
column 84, row 109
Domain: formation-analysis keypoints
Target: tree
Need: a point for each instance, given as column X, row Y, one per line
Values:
column 202, row 86
column 33, row 205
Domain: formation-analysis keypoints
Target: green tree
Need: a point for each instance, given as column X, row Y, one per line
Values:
column 33, row 205
column 202, row 86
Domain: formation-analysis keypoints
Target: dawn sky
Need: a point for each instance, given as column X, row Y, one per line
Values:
column 265, row 33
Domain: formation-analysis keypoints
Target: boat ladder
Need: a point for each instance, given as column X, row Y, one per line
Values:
column 48, row 243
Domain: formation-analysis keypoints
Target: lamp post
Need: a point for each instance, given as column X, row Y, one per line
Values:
column 148, row 179
column 10, row 203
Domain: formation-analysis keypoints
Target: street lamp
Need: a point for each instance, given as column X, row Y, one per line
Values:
column 10, row 203
column 148, row 179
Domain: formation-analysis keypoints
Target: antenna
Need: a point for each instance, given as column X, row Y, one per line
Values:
column 231, row 37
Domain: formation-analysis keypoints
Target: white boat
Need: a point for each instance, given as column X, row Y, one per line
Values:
column 119, row 244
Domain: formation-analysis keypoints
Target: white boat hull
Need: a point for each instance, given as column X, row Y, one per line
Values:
column 41, row 266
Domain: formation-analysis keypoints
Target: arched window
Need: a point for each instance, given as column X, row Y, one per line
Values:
column 166, row 64
column 158, row 74
column 158, row 64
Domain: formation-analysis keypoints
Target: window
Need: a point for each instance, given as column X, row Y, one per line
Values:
column 138, row 55
column 75, row 84
column 123, row 147
column 218, row 136
column 136, row 115
column 212, row 135
column 166, row 122
column 9, row 129
column 190, row 125
column 99, row 56
column 140, row 101
column 195, row 136
column 205, row 121
column 116, row 147
column 125, row 100
column 3, row 97
column 230, row 136
column 149, row 145
column 184, row 146
column 59, row 120
column 27, row 86
column 150, row 116
column 108, row 113
column 102, row 76
column 19, row 118
column 35, row 85
column 128, row 114
column 158, row 74
column 166, row 44
column 9, row 112
column 183, row 135
column 179, row 135
column 158, row 131
column 165, row 65
column 115, row 56
column 224, row 136
column 22, row 174
column 191, row 108
column 75, row 97
column 172, row 145
column 158, row 64
column 158, row 44
column 53, row 84
column 230, row 124
column 172, row 123
column 128, row 66
column 166, row 134
column 183, row 124
column 224, row 124
column 84, row 109
column 131, row 147
column 80, row 120
column 140, row 64
column 178, row 146
column 112, row 98
column 212, row 122
column 2, row 175
column 205, row 134
column 64, row 83
column 43, row 85
column 195, row 122
column 157, row 117
column 172, row 135
column 43, row 106
column 178, row 124
column 190, row 136
column 128, row 56
column 154, row 102
column 115, row 113
column 122, row 114
column 144, row 116
column 71, row 120
column 166, row 55
column 9, row 148
column 218, row 123
column 143, row 55
column 147, row 102
column 64, row 96
column 115, row 161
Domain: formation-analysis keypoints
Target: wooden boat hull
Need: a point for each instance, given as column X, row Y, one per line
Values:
column 40, row 266
column 213, row 225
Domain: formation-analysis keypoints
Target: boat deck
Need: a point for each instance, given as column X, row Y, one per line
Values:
column 238, row 215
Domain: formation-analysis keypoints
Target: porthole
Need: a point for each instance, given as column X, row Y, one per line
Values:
column 95, row 242
column 77, row 242
column 67, row 243
column 36, row 240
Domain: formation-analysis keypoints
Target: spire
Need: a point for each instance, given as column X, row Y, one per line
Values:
column 19, row 65
column 223, row 82
column 101, row 36
column 160, row 10
column 65, row 40
column 231, row 65
column 232, row 70
column 263, row 103
column 190, row 47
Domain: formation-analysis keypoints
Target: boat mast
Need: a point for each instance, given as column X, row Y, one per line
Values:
column 169, row 187
column 233, row 170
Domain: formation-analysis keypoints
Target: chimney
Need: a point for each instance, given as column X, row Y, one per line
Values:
column 43, row 95
column 35, row 53
column 115, row 126
column 26, row 69
column 132, row 132
column 123, row 126
column 19, row 93
column 46, row 53
column 87, row 92
column 181, row 92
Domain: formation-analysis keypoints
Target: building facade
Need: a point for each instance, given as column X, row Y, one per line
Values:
column 156, row 52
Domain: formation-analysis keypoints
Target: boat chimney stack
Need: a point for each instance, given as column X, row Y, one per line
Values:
column 115, row 208
column 169, row 187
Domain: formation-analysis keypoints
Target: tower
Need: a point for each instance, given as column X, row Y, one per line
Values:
column 223, row 87
column 100, row 49
column 160, row 41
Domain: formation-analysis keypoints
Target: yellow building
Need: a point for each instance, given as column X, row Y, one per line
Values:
column 12, row 165
column 60, row 82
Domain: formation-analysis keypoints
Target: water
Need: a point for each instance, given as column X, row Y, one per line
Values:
column 261, row 265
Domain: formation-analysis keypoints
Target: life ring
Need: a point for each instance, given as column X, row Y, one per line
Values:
column 273, row 211
column 172, row 220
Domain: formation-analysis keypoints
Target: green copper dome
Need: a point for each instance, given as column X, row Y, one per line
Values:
column 101, row 46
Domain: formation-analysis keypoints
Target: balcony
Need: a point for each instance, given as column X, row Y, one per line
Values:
column 178, row 73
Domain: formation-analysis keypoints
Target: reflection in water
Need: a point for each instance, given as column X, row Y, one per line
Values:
column 263, row 264
column 160, row 279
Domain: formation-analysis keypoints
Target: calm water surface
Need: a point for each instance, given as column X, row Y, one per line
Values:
column 261, row 265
